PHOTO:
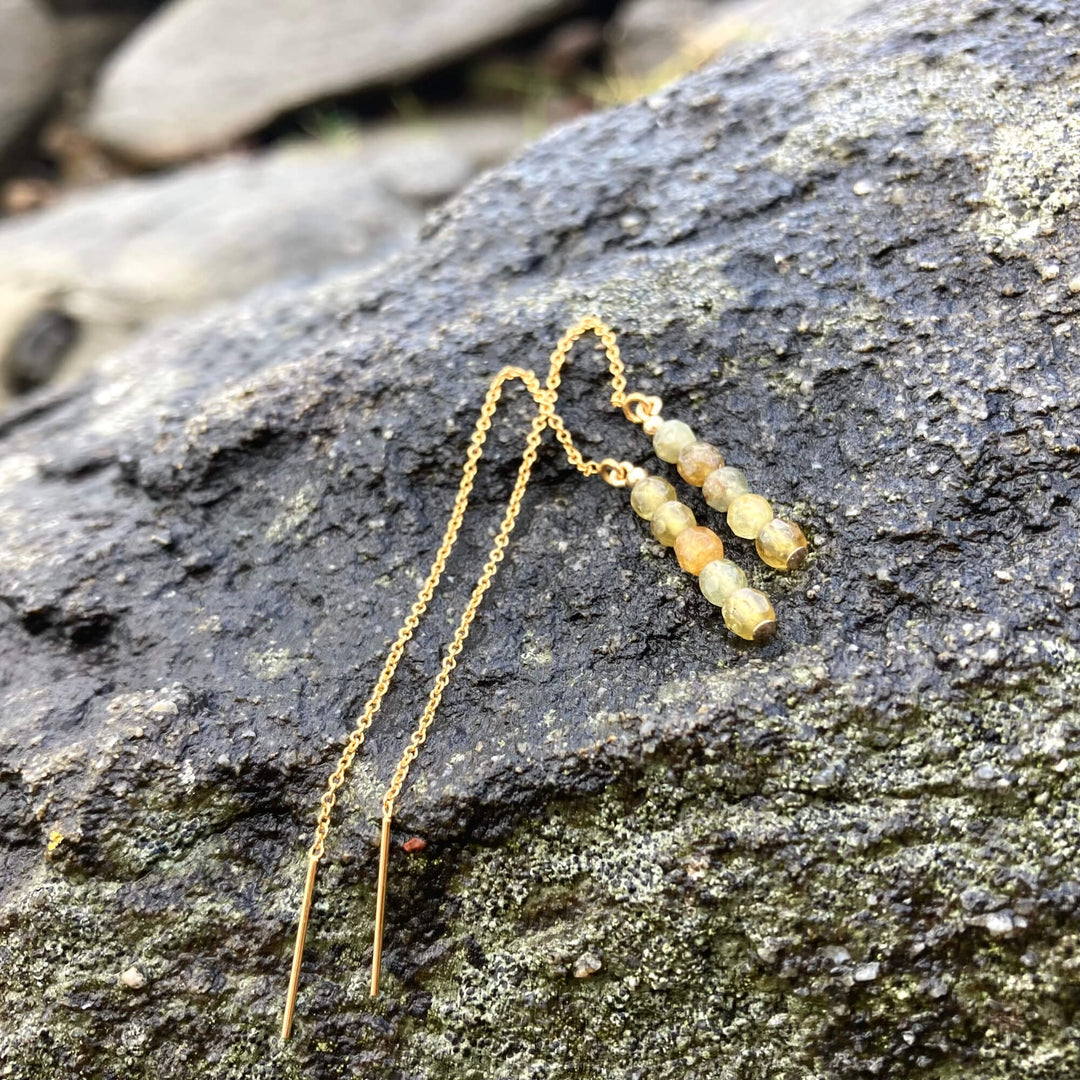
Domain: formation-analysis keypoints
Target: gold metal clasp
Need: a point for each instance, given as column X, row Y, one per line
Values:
column 620, row 473
column 637, row 407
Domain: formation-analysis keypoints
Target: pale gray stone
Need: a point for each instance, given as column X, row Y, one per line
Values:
column 120, row 257
column 236, row 513
column 651, row 37
column 203, row 72
column 29, row 56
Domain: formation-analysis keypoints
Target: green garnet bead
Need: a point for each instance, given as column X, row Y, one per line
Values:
column 749, row 614
column 722, row 485
column 719, row 579
column 670, row 438
column 782, row 545
column 671, row 519
column 650, row 493
column 748, row 514
column 697, row 460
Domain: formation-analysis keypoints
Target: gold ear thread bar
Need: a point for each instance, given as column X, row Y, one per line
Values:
column 380, row 904
column 618, row 474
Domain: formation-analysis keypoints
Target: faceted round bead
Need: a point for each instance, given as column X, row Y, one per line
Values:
column 722, row 485
column 646, row 495
column 719, row 579
column 748, row 514
column 749, row 614
column 782, row 544
column 669, row 440
column 696, row 547
column 669, row 520
column 697, row 460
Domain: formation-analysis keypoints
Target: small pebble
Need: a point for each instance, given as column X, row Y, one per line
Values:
column 133, row 978
column 414, row 844
column 867, row 972
column 1074, row 284
column 999, row 922
column 837, row 954
column 585, row 965
column 862, row 187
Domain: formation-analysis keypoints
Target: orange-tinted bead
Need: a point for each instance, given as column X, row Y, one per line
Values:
column 696, row 547
column 697, row 460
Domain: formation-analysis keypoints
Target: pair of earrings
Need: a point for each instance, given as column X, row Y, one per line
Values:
column 781, row 544
column 699, row 550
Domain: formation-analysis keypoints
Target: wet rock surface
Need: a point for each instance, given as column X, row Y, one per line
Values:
column 651, row 850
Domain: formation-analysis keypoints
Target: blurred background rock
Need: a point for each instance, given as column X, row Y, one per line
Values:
column 158, row 157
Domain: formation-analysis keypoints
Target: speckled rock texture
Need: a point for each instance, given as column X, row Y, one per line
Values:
column 653, row 851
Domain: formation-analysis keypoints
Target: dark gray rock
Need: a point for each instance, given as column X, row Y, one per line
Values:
column 849, row 853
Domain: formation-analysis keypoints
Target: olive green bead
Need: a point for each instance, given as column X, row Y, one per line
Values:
column 719, row 579
column 722, row 485
column 670, row 438
column 749, row 614
column 646, row 495
column 697, row 460
column 782, row 544
column 670, row 519
column 748, row 514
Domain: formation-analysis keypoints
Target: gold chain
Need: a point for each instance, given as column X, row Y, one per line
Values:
column 636, row 407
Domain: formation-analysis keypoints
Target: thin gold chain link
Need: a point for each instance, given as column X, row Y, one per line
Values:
column 615, row 472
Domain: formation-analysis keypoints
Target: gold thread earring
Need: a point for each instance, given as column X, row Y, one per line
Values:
column 668, row 521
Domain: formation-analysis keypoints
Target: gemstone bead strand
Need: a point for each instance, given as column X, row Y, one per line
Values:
column 722, row 485
column 746, row 612
column 780, row 544
column 670, row 438
column 748, row 514
column 696, row 547
column 749, row 614
column 697, row 460
column 649, row 494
